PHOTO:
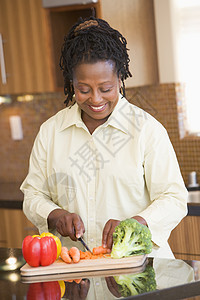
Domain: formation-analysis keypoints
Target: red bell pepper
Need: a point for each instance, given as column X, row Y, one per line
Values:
column 44, row 291
column 39, row 251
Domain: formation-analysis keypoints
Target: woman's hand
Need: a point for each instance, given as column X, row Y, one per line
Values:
column 113, row 286
column 67, row 224
column 76, row 291
column 140, row 220
column 109, row 228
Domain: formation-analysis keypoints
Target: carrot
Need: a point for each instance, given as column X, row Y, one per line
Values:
column 100, row 250
column 85, row 255
column 69, row 280
column 78, row 280
column 82, row 254
column 89, row 255
column 75, row 254
column 65, row 255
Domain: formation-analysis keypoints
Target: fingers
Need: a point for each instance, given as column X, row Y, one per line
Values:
column 78, row 226
column 84, row 288
column 70, row 224
column 106, row 231
column 109, row 228
column 78, row 291
column 113, row 286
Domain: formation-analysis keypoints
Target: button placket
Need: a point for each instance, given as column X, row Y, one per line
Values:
column 91, row 196
column 98, row 286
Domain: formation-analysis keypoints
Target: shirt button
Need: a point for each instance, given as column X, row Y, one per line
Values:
column 91, row 219
column 91, row 240
column 97, row 283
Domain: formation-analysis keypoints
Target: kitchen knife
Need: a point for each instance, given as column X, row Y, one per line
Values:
column 84, row 244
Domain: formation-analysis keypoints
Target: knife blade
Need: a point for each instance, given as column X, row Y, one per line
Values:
column 84, row 244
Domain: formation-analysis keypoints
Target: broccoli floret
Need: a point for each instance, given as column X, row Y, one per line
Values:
column 131, row 238
column 135, row 284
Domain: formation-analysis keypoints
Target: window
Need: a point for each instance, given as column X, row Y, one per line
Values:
column 188, row 51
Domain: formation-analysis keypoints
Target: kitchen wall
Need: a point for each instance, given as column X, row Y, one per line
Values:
column 165, row 102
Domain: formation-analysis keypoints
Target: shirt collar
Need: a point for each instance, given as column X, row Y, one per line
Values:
column 72, row 117
column 117, row 119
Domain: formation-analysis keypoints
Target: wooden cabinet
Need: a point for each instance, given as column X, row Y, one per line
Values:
column 33, row 36
column 14, row 227
column 58, row 22
column 26, row 63
column 184, row 239
column 135, row 20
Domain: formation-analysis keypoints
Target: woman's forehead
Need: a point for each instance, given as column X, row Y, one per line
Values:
column 100, row 65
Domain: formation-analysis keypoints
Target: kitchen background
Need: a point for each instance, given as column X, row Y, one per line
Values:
column 32, row 37
column 31, row 90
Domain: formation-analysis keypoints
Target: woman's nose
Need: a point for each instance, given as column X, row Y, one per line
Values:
column 96, row 97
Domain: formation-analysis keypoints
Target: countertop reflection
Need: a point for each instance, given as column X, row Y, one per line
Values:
column 167, row 279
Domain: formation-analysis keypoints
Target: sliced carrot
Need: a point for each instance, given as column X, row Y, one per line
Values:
column 100, row 250
column 65, row 255
column 69, row 280
column 75, row 254
column 78, row 280
column 89, row 255
column 82, row 254
column 85, row 255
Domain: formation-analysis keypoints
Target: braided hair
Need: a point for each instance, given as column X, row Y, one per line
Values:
column 89, row 41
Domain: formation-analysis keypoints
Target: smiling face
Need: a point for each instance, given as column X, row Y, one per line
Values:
column 96, row 87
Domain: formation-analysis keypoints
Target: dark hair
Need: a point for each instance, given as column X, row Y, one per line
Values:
column 91, row 40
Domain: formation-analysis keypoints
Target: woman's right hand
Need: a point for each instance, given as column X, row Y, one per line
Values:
column 76, row 291
column 66, row 223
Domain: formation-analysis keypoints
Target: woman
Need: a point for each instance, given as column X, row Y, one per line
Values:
column 102, row 159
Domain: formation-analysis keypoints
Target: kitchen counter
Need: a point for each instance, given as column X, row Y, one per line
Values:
column 11, row 196
column 175, row 279
column 194, row 202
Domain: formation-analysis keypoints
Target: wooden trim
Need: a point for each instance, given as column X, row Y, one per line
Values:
column 49, row 48
column 186, row 256
column 184, row 238
column 73, row 7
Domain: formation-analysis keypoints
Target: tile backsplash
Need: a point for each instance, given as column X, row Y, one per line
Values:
column 164, row 102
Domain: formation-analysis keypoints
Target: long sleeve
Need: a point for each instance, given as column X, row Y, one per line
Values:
column 37, row 197
column 165, row 185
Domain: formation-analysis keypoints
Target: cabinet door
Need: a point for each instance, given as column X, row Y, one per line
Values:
column 26, row 63
column 184, row 240
column 135, row 20
column 3, row 237
column 16, row 227
column 58, row 21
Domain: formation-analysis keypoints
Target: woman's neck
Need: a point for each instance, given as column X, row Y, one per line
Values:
column 92, row 124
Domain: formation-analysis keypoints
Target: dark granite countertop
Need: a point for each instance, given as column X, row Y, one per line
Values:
column 10, row 195
column 173, row 279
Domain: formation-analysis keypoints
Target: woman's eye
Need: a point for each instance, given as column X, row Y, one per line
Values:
column 105, row 90
column 84, row 92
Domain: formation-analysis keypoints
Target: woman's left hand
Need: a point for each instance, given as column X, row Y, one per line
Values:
column 109, row 228
column 113, row 286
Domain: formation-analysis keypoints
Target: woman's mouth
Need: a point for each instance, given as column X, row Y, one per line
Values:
column 98, row 108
